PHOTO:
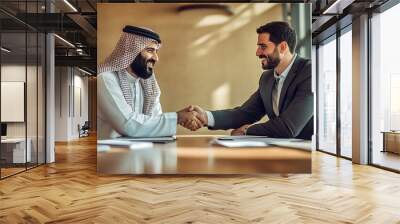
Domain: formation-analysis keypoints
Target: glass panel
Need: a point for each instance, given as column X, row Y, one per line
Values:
column 41, row 98
column 31, row 98
column 23, row 82
column 346, row 94
column 327, row 96
column 385, row 84
column 13, row 74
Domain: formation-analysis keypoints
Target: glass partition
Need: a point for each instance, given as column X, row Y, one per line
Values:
column 327, row 96
column 22, row 87
column 385, row 89
column 13, row 105
column 346, row 93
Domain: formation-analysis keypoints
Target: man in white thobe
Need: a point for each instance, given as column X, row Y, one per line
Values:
column 128, row 94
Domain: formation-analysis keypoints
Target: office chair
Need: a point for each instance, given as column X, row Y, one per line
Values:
column 84, row 130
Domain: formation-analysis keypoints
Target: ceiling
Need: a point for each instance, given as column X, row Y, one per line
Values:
column 76, row 22
column 330, row 15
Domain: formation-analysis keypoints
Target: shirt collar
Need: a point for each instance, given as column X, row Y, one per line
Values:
column 286, row 71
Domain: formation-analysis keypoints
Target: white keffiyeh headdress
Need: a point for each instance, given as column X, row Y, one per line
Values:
column 133, row 40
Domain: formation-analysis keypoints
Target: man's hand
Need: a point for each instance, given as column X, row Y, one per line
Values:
column 240, row 131
column 202, row 113
column 190, row 119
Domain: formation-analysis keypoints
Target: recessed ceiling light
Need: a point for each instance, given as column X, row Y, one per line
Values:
column 5, row 50
column 64, row 40
column 84, row 71
column 70, row 5
column 337, row 7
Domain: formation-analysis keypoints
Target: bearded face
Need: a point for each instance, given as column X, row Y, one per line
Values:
column 143, row 67
column 268, row 52
column 270, row 61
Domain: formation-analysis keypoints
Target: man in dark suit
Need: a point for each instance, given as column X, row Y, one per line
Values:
column 284, row 92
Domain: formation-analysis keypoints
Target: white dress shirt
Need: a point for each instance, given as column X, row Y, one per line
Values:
column 276, row 92
column 279, row 80
column 116, row 117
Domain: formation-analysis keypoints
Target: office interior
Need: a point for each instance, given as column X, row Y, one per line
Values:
column 48, row 104
column 214, row 55
column 215, row 50
column 39, row 108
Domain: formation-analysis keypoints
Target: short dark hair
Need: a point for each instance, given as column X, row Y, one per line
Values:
column 280, row 31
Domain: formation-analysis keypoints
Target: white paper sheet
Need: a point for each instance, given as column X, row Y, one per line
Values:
column 238, row 144
column 260, row 141
column 128, row 144
column 240, row 137
column 149, row 139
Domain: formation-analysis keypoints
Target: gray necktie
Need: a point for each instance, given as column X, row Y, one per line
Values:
column 275, row 102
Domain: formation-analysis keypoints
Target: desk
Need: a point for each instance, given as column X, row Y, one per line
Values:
column 391, row 141
column 195, row 155
column 13, row 150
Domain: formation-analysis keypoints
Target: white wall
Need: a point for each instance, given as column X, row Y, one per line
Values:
column 70, row 83
column 79, row 117
column 16, row 73
column 61, row 103
column 33, row 127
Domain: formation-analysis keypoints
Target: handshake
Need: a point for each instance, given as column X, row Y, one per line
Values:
column 192, row 117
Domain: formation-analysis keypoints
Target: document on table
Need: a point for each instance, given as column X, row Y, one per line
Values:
column 165, row 139
column 239, row 137
column 125, row 144
column 241, row 143
column 262, row 141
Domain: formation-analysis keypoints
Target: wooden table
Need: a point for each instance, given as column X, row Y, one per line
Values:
column 196, row 155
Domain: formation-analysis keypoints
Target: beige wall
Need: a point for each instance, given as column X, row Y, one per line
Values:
column 206, row 58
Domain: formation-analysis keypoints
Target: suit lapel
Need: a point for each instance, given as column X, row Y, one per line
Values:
column 289, row 78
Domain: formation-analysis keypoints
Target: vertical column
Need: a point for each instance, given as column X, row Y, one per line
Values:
column 50, row 92
column 314, row 90
column 301, row 22
column 360, row 90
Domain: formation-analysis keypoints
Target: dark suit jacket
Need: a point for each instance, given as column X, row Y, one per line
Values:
column 296, row 106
